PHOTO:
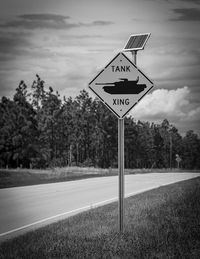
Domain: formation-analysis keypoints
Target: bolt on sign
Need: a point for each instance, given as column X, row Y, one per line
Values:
column 121, row 85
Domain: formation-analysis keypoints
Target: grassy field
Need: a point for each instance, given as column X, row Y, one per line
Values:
column 162, row 223
column 23, row 177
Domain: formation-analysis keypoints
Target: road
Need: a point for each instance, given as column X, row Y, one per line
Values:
column 25, row 208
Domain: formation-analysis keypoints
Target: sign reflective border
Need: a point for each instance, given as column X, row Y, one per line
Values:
column 121, row 85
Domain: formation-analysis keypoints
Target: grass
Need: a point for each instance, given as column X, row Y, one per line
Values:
column 162, row 223
column 23, row 177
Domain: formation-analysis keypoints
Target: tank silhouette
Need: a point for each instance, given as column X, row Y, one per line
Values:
column 124, row 86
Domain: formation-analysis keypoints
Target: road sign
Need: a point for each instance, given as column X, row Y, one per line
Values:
column 121, row 85
column 178, row 159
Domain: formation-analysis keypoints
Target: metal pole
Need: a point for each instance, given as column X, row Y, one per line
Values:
column 134, row 56
column 121, row 173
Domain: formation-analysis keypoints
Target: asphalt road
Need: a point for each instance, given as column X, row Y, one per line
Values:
column 25, row 208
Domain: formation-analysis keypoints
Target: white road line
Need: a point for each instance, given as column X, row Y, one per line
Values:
column 59, row 215
column 95, row 205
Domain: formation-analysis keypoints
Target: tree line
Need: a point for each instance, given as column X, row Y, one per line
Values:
column 38, row 129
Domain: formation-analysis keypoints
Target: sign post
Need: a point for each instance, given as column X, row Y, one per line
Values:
column 121, row 172
column 178, row 160
column 120, row 85
column 134, row 56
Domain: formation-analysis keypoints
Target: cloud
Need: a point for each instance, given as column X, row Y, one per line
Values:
column 101, row 23
column 13, row 43
column 193, row 114
column 175, row 1
column 45, row 17
column 191, row 1
column 48, row 21
column 189, row 14
column 34, row 21
column 174, row 65
column 163, row 103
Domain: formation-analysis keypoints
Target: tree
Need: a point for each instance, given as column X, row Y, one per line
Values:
column 131, row 141
column 38, row 93
column 18, row 128
column 191, row 151
column 48, row 127
column 39, row 128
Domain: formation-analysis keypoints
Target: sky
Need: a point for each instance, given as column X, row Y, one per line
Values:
column 67, row 42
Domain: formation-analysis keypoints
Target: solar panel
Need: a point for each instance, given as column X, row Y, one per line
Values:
column 136, row 42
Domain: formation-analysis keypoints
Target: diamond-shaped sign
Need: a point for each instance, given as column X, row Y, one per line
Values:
column 121, row 85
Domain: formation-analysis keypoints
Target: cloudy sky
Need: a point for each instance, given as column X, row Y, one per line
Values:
column 67, row 42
